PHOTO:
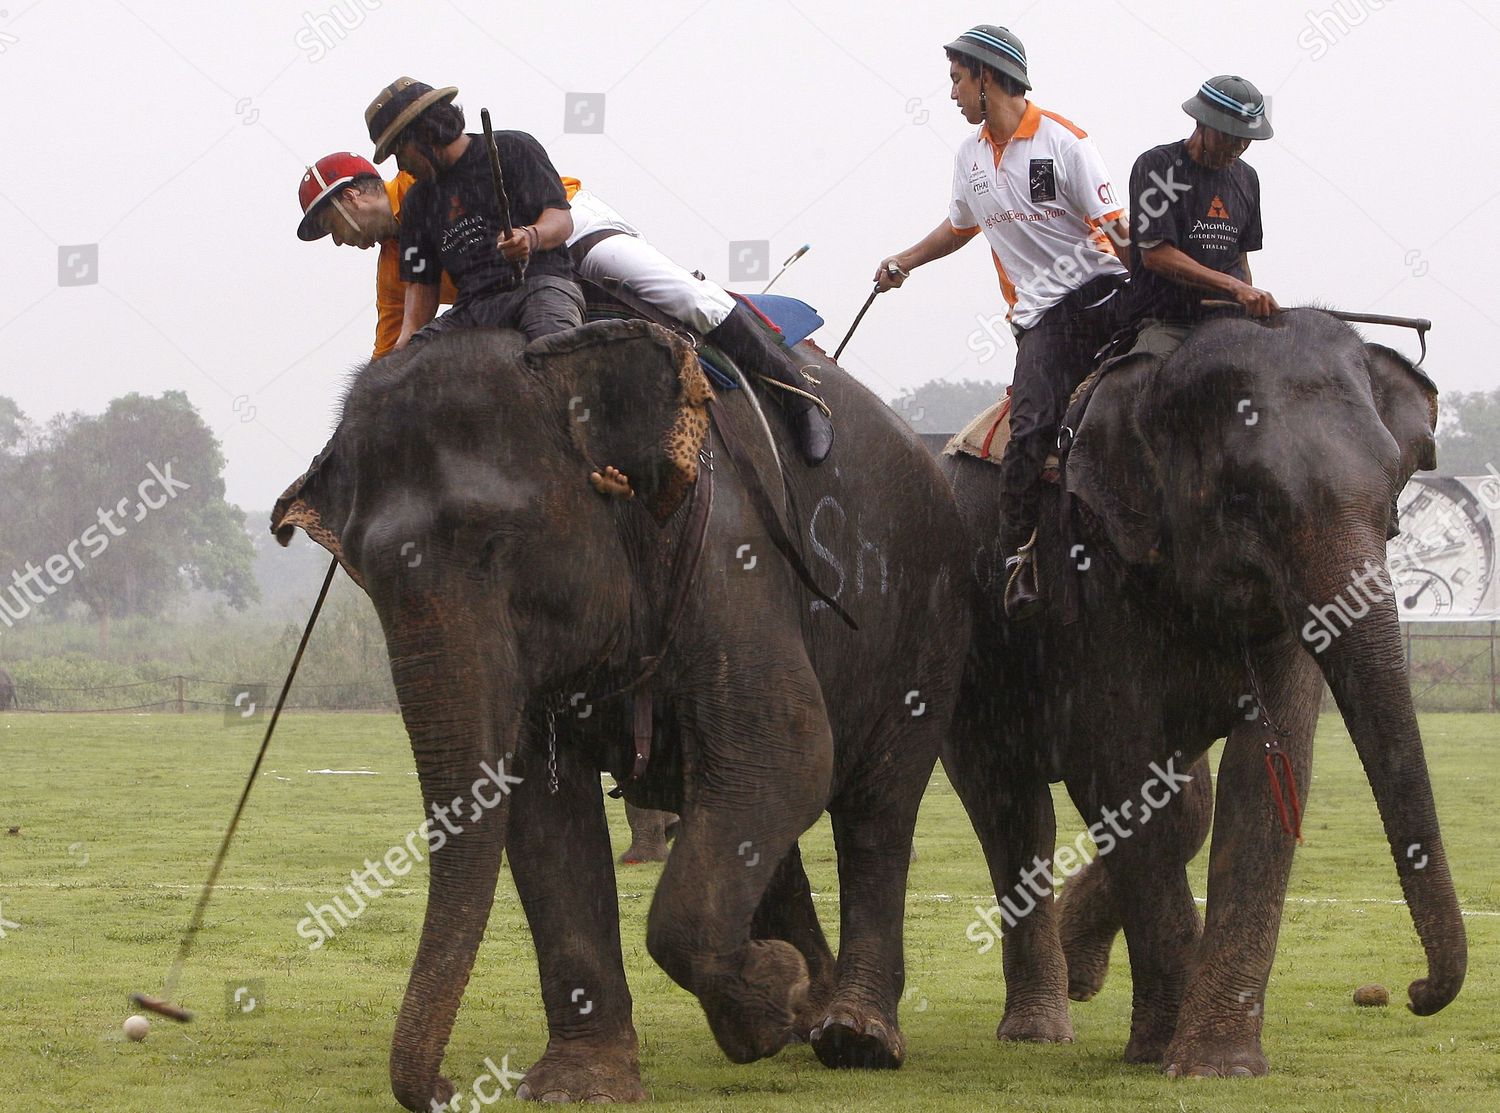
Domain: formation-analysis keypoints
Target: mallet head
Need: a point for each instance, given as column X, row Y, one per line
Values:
column 162, row 1008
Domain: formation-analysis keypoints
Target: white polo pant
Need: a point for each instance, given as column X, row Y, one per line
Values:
column 630, row 269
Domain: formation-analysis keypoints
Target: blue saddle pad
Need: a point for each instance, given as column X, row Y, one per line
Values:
column 796, row 319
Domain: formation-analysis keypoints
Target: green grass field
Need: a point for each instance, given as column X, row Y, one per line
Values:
column 119, row 817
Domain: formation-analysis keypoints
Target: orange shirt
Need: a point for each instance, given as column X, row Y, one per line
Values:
column 390, row 291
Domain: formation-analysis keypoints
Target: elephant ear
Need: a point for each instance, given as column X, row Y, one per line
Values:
column 1111, row 465
column 1407, row 401
column 636, row 399
column 318, row 503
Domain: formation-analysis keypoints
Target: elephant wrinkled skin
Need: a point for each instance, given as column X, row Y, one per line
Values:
column 456, row 491
column 1224, row 500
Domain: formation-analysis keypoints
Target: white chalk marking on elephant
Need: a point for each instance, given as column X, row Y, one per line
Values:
column 863, row 549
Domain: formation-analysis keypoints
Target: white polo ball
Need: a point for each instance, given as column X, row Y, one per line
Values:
column 136, row 1027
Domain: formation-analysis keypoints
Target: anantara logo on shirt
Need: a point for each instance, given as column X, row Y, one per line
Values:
column 1043, row 180
column 1217, row 209
column 456, row 208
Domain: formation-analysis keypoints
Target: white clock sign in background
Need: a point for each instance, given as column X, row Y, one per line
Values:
column 1443, row 561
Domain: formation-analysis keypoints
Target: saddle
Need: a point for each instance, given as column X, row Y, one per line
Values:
column 794, row 320
column 986, row 436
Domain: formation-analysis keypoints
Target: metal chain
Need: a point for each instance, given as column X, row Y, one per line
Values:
column 552, row 710
column 1266, row 722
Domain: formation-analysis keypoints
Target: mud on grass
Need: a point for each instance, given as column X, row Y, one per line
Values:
column 119, row 816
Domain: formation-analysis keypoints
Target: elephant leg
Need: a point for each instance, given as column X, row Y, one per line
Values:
column 874, row 817
column 1088, row 920
column 1012, row 814
column 1218, row 1032
column 559, row 854
column 648, row 835
column 787, row 912
column 1088, row 915
column 756, row 776
column 1142, row 832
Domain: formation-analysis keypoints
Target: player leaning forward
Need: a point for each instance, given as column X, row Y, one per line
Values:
column 1034, row 184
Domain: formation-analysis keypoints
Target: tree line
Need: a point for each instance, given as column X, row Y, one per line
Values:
column 119, row 513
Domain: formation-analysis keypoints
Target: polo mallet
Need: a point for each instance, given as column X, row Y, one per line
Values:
column 890, row 268
column 497, row 176
column 1420, row 324
column 792, row 258
column 162, row 1005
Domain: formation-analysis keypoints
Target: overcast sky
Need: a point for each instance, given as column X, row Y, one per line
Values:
column 172, row 134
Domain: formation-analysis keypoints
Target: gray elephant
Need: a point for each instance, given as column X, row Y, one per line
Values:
column 7, row 692
column 650, row 831
column 1225, row 559
column 468, row 490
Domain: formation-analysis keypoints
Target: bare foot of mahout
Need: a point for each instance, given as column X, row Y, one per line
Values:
column 613, row 483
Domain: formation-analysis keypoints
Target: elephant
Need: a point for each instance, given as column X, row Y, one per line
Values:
column 650, row 831
column 1215, row 512
column 516, row 515
column 7, row 692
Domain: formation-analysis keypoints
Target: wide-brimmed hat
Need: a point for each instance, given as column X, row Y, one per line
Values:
column 1232, row 105
column 994, row 46
column 322, row 179
column 397, row 105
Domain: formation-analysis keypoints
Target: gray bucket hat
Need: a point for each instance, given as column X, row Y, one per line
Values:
column 1232, row 105
column 994, row 46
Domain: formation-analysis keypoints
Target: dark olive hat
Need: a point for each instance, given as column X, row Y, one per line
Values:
column 1232, row 105
column 994, row 46
column 397, row 105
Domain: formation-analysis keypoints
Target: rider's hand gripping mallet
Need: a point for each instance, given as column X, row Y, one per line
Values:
column 892, row 269
column 162, row 1005
column 498, row 178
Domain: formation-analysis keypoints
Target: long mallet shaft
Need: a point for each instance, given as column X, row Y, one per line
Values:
column 792, row 258
column 891, row 269
column 497, row 178
column 162, row 1005
column 1421, row 325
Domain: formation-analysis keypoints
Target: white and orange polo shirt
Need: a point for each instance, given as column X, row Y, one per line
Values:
column 1040, row 198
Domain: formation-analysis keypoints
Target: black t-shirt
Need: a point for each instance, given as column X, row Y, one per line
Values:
column 451, row 224
column 1211, row 216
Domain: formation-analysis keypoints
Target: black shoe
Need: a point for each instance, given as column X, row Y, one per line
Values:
column 758, row 350
column 1023, row 592
column 814, row 434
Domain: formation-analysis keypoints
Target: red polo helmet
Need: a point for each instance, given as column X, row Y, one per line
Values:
column 323, row 178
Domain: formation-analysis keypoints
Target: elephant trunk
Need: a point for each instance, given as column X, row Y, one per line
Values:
column 1366, row 669
column 460, row 721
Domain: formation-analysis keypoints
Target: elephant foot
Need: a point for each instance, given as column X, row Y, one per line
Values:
column 754, row 1014
column 852, row 1037
column 639, row 853
column 820, row 992
column 1036, row 1024
column 1204, row 1057
column 585, row 1070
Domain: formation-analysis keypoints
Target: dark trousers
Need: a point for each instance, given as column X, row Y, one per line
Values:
column 540, row 306
column 1052, row 357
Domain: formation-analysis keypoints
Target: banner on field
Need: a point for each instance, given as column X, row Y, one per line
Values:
column 1443, row 562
